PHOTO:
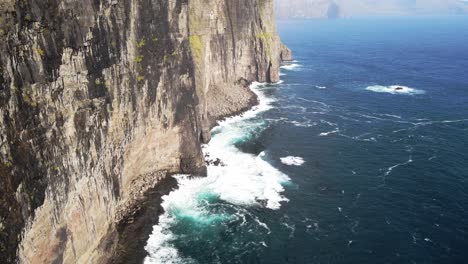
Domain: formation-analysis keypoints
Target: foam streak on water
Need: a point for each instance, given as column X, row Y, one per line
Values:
column 291, row 67
column 244, row 181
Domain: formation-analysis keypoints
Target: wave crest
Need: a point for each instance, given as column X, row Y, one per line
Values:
column 291, row 67
column 292, row 161
column 203, row 207
column 394, row 89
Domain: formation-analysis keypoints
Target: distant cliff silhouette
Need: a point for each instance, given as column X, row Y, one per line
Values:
column 354, row 8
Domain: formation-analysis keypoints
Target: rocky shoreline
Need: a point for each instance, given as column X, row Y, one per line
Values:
column 132, row 232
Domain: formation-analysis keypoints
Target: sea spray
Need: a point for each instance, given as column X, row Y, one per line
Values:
column 203, row 209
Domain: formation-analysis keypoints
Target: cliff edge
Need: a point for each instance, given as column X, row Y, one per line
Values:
column 101, row 101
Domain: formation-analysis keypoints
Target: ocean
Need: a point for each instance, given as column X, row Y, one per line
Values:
column 358, row 155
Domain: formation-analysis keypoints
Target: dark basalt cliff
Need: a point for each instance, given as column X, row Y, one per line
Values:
column 100, row 101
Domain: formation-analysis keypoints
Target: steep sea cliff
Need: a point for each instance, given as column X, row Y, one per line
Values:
column 101, row 101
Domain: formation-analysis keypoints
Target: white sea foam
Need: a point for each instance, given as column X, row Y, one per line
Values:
column 328, row 122
column 394, row 116
column 306, row 123
column 301, row 108
column 260, row 223
column 324, row 134
column 292, row 161
column 390, row 169
column 320, row 87
column 291, row 67
column 429, row 122
column 264, row 105
column 159, row 247
column 394, row 89
column 291, row 228
column 246, row 180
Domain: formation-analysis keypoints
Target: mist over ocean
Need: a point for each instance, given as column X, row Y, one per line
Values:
column 359, row 155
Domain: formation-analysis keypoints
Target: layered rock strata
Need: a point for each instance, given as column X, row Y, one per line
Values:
column 101, row 101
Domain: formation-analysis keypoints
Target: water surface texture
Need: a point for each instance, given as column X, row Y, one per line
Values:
column 359, row 155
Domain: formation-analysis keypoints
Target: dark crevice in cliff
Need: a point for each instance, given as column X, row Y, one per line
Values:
column 11, row 221
column 133, row 231
column 231, row 28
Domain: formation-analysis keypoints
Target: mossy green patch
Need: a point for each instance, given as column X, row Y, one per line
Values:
column 141, row 43
column 267, row 38
column 139, row 59
column 29, row 101
column 264, row 35
column 40, row 51
column 13, row 89
column 196, row 46
column 28, row 17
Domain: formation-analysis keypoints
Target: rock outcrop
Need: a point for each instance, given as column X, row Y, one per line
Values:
column 100, row 101
column 285, row 53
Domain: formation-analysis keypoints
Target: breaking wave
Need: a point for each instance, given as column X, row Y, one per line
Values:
column 324, row 134
column 394, row 89
column 203, row 208
column 292, row 161
column 291, row 67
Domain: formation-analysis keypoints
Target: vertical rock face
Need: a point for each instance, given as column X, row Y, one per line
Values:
column 101, row 100
column 233, row 43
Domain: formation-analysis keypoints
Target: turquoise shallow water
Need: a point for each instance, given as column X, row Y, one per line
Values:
column 377, row 109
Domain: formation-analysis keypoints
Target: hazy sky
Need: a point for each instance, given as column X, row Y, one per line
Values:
column 353, row 8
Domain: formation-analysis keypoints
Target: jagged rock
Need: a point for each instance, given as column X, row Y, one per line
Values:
column 285, row 53
column 215, row 162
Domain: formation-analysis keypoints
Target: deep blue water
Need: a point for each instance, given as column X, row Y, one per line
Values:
column 385, row 178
